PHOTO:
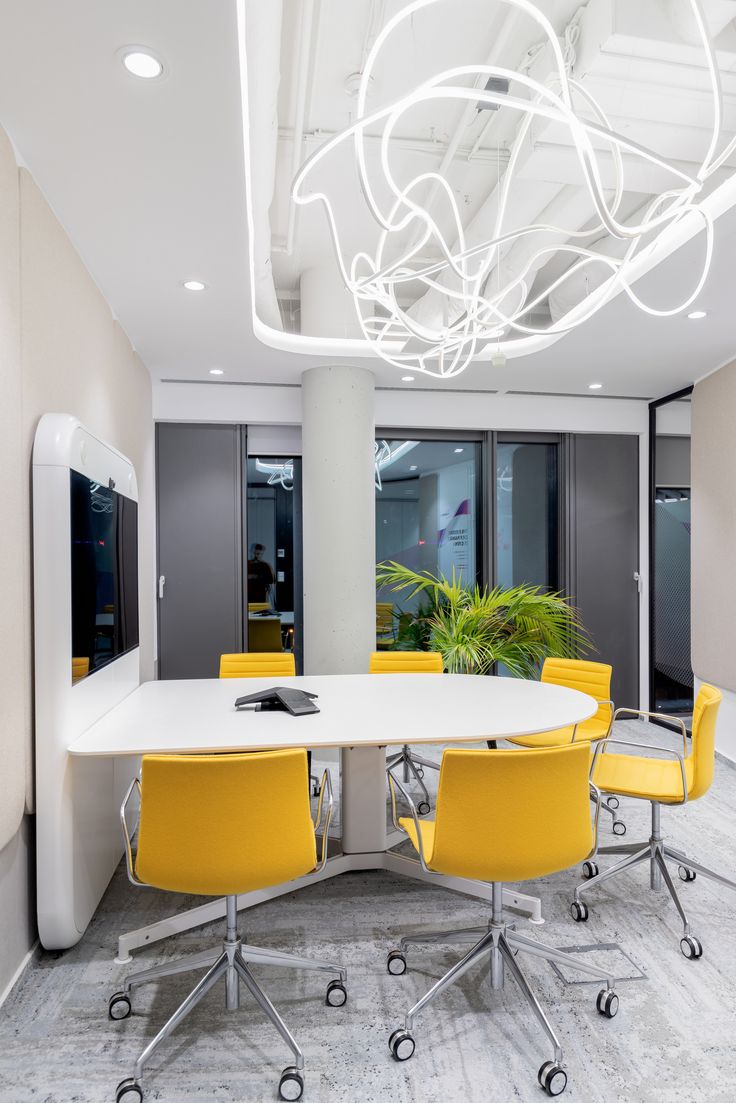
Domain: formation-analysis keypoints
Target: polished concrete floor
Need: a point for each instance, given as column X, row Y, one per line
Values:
column 673, row 1039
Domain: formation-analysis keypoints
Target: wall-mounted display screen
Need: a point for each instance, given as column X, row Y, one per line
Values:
column 104, row 535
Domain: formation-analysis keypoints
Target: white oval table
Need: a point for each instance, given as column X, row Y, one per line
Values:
column 361, row 714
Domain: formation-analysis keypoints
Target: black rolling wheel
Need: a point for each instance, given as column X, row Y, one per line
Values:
column 423, row 808
column 291, row 1084
column 128, row 1091
column 619, row 827
column 607, row 1003
column 396, row 963
column 552, row 1077
column 579, row 911
column 401, row 1045
column 691, row 947
column 590, row 869
column 337, row 994
column 119, row 1006
column 685, row 873
column 612, row 802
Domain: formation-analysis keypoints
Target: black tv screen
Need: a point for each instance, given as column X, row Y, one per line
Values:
column 104, row 533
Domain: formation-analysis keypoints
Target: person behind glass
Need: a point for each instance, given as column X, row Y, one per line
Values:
column 260, row 575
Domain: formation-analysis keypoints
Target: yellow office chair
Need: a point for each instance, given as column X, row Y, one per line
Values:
column 80, row 668
column 258, row 664
column 207, row 827
column 595, row 680
column 385, row 627
column 502, row 816
column 409, row 662
column 677, row 779
column 258, row 607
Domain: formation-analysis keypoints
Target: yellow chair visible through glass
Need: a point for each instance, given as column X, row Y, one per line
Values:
column 409, row 662
column 502, row 815
column 257, row 664
column 676, row 779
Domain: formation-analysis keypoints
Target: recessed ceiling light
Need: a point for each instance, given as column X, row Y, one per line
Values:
column 141, row 63
column 216, row 371
column 695, row 315
column 407, row 379
column 413, row 467
column 459, row 449
column 194, row 285
column 594, row 386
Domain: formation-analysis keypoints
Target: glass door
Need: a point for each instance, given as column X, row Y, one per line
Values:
column 527, row 512
column 274, row 546
column 428, row 517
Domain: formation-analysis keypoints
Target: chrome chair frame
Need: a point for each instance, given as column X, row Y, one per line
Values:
column 497, row 941
column 656, row 851
column 232, row 964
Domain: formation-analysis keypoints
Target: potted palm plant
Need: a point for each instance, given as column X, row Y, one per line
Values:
column 476, row 628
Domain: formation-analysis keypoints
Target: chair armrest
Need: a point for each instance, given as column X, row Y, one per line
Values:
column 326, row 802
column 127, row 836
column 604, row 744
column 657, row 716
column 393, row 784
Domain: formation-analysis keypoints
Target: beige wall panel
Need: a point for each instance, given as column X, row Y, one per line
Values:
column 77, row 360
column 714, row 528
column 13, row 532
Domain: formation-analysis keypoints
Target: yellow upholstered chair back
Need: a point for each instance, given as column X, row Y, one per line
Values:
column 512, row 815
column 384, row 617
column 80, row 668
column 222, row 824
column 258, row 607
column 702, row 750
column 405, row 662
column 258, row 664
column 585, row 676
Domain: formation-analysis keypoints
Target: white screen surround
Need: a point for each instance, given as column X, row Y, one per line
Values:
column 78, row 837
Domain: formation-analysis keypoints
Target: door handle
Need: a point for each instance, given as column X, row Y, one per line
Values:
column 637, row 580
column 161, row 584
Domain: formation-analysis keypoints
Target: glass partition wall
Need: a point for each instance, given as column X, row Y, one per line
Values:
column 671, row 674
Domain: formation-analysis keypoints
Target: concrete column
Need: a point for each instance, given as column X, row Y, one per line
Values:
column 339, row 527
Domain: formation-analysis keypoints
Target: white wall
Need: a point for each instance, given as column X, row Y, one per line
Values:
column 60, row 350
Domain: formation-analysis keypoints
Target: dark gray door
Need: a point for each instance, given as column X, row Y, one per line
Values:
column 604, row 552
column 200, row 608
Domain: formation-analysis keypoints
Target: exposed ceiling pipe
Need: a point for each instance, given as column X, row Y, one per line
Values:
column 304, row 68
column 263, row 34
column 500, row 41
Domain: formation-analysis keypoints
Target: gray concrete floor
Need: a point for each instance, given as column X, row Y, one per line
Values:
column 673, row 1039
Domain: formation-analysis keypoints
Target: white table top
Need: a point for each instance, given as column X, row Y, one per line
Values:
column 355, row 710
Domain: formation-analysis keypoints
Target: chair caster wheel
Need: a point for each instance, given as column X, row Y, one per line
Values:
column 612, row 802
column 128, row 1091
column 685, row 873
column 119, row 1007
column 337, row 994
column 396, row 963
column 607, row 1003
column 423, row 808
column 691, row 947
column 401, row 1045
column 552, row 1077
column 619, row 827
column 291, row 1084
column 590, row 869
column 579, row 911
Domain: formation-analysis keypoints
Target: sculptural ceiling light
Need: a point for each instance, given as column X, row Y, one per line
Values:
column 480, row 307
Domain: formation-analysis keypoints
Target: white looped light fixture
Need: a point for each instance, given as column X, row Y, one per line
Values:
column 479, row 306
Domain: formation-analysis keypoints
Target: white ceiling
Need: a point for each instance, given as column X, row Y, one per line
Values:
column 148, row 180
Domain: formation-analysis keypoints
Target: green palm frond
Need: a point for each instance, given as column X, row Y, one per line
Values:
column 474, row 628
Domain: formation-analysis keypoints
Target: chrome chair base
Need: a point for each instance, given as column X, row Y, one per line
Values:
column 414, row 766
column 657, row 853
column 497, row 942
column 232, row 965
